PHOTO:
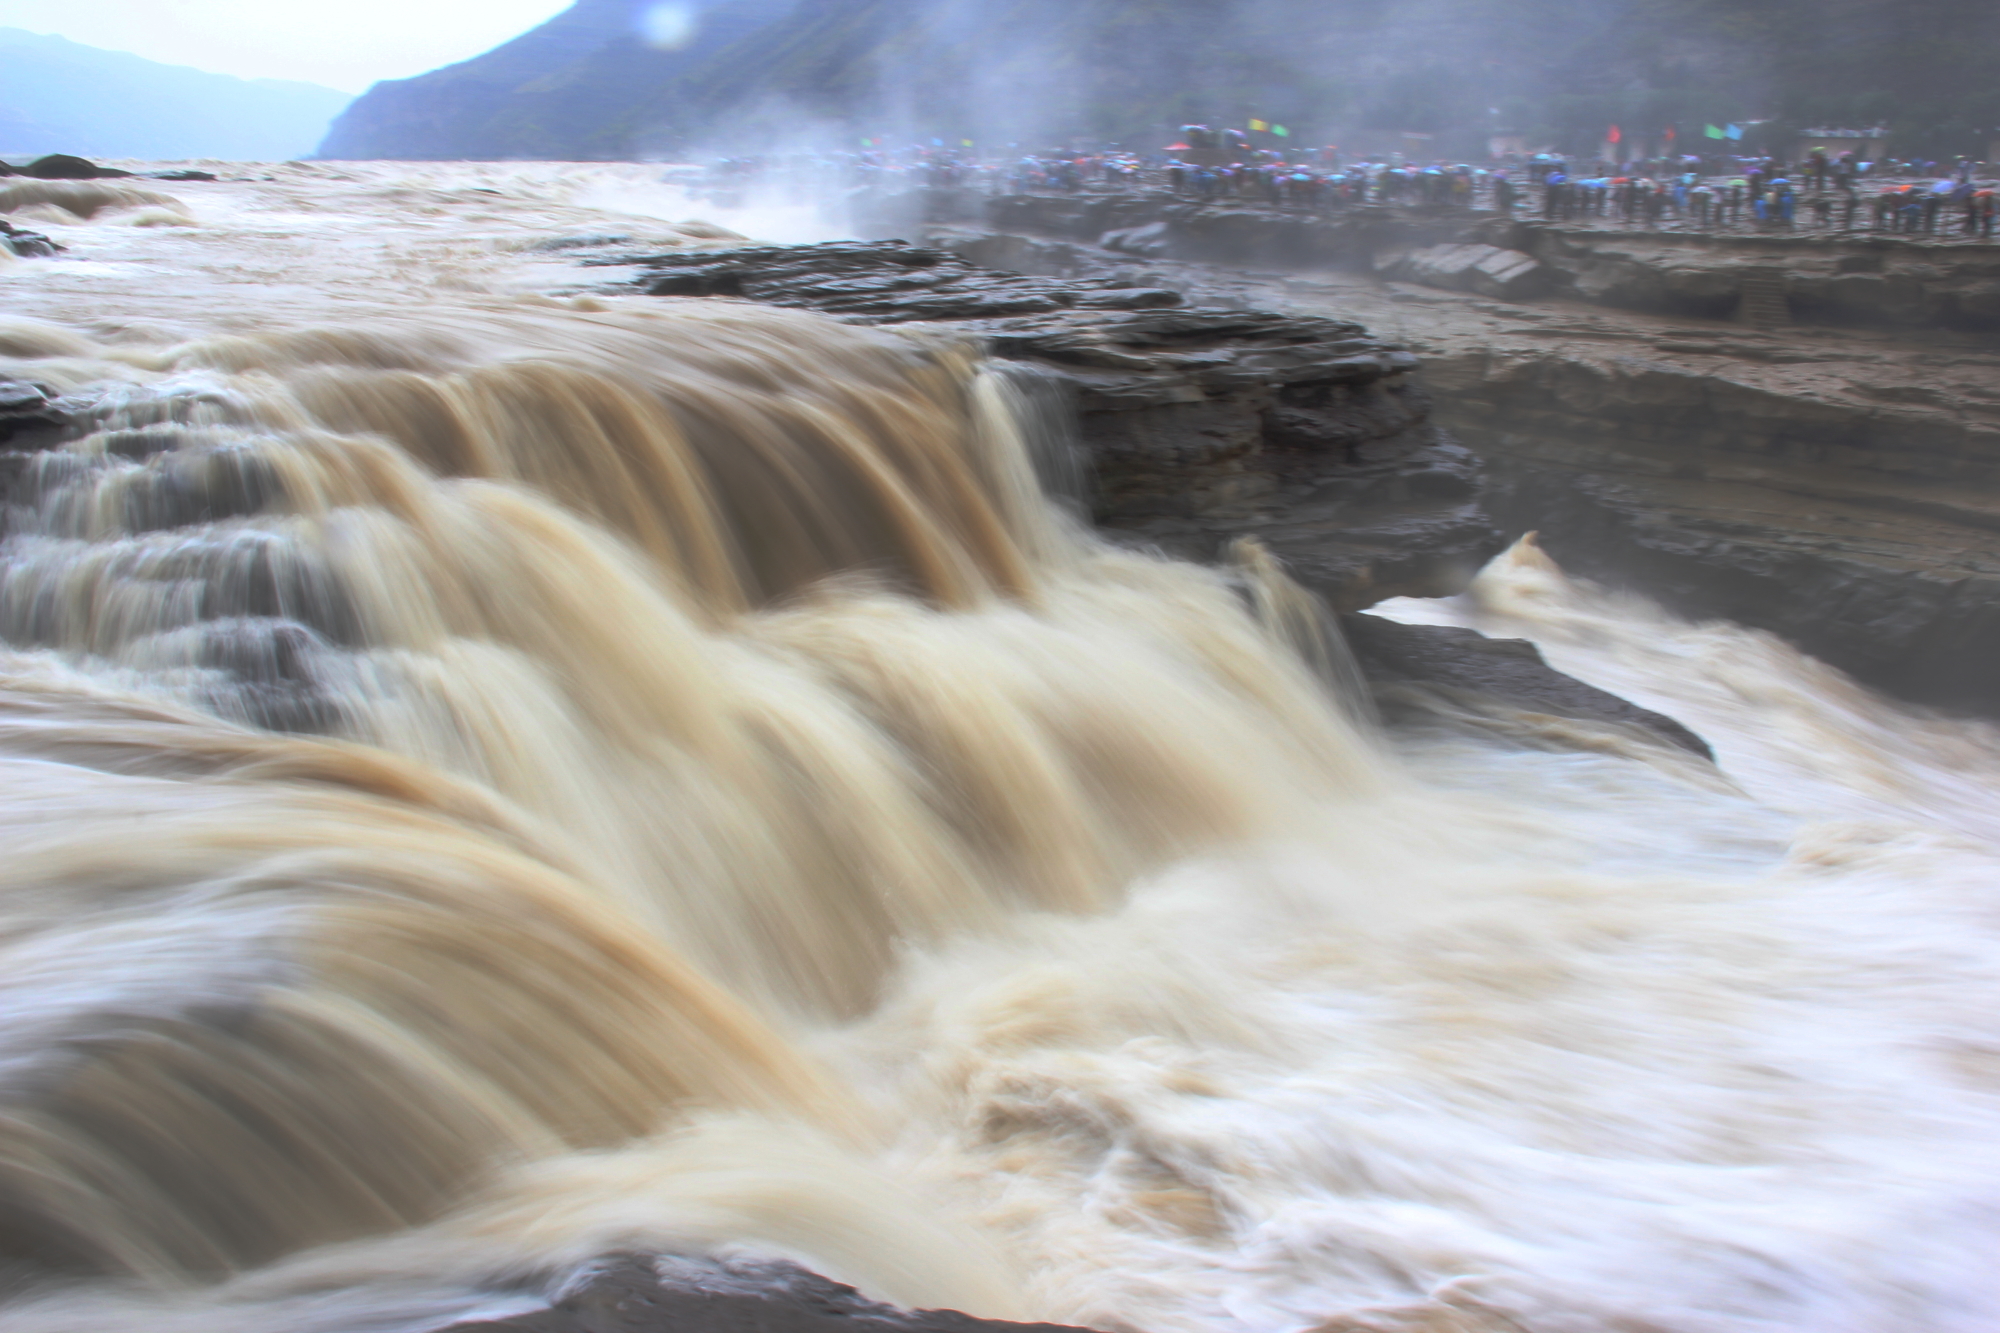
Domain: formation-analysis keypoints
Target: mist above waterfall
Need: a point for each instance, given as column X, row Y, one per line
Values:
column 748, row 76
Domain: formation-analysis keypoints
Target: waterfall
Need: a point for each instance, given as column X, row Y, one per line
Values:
column 520, row 720
column 489, row 779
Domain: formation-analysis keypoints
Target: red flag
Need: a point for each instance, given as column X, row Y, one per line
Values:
column 1670, row 134
column 1614, row 136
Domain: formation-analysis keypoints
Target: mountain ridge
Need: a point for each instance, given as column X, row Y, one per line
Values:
column 61, row 96
column 764, row 74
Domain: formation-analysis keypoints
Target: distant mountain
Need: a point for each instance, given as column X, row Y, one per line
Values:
column 598, row 81
column 57, row 96
column 772, row 73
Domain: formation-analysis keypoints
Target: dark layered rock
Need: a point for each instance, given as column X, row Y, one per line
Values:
column 1861, row 280
column 875, row 282
column 1465, row 667
column 31, row 415
column 64, row 167
column 1847, row 504
column 1199, row 427
column 1834, row 485
column 26, row 244
column 677, row 1294
column 1163, row 226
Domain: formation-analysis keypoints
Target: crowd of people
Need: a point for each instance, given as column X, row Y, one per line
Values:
column 1831, row 193
column 1820, row 190
column 1824, row 190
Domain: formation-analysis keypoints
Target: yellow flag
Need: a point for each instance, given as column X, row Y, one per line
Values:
column 1260, row 124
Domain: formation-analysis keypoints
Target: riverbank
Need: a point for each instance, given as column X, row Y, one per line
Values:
column 1837, row 482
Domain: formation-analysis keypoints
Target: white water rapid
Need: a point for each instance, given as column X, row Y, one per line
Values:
column 491, row 778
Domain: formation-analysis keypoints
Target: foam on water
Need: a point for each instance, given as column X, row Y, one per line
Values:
column 494, row 779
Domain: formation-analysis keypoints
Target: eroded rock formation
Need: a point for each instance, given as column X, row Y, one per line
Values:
column 1833, row 479
column 1421, row 666
column 1200, row 426
column 1865, row 280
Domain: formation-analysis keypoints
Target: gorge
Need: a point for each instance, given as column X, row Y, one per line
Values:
column 1826, row 477
column 539, row 732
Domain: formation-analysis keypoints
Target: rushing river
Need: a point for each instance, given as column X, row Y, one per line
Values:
column 493, row 778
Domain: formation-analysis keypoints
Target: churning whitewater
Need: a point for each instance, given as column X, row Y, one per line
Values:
column 494, row 778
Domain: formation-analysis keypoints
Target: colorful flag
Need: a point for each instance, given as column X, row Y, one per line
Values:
column 967, row 143
column 1281, row 131
column 1671, row 135
column 1260, row 124
column 1614, row 135
column 1734, row 131
column 1714, row 132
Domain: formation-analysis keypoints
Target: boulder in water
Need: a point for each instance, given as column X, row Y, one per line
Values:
column 64, row 167
column 1463, row 666
column 677, row 1294
column 26, row 244
column 28, row 409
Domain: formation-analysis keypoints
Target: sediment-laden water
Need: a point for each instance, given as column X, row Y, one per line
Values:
column 495, row 777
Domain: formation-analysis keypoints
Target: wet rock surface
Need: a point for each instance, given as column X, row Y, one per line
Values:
column 1838, row 485
column 65, row 167
column 877, row 282
column 1844, row 498
column 674, row 1294
column 1465, row 666
column 1486, row 270
column 1198, row 426
column 1864, row 279
column 32, row 416
column 26, row 244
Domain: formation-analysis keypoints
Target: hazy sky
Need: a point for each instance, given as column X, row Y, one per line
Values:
column 345, row 44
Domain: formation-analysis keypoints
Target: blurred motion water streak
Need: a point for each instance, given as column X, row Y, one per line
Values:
column 491, row 779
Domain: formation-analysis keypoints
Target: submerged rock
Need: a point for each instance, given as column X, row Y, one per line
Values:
column 26, row 244
column 1465, row 665
column 29, row 411
column 676, row 1294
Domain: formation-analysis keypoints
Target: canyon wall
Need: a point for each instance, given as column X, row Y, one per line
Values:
column 1826, row 470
